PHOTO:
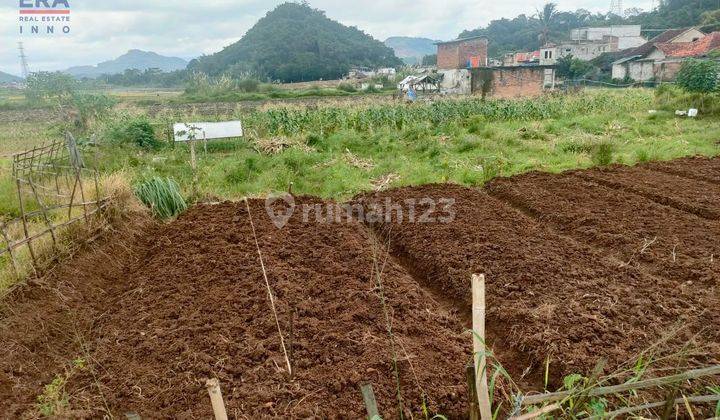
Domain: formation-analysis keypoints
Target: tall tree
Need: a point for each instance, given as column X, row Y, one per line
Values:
column 546, row 19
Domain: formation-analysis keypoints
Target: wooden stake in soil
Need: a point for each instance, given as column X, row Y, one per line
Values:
column 370, row 402
column 25, row 227
column 216, row 399
column 269, row 290
column 478, row 319
column 473, row 410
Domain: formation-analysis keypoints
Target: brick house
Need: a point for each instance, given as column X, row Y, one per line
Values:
column 462, row 53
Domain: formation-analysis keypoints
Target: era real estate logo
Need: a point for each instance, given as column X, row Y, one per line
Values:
column 44, row 17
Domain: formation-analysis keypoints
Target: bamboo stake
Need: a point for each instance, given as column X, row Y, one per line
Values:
column 370, row 402
column 269, row 290
column 44, row 213
column 216, row 399
column 614, row 389
column 6, row 238
column 25, row 226
column 473, row 411
column 478, row 320
column 535, row 414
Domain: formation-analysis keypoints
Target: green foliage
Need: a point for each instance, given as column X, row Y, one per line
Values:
column 429, row 60
column 50, row 86
column 602, row 154
column 297, row 43
column 528, row 32
column 133, row 130
column 291, row 121
column 699, row 75
column 148, row 78
column 91, row 106
column 572, row 68
column 347, row 87
column 162, row 196
column 670, row 98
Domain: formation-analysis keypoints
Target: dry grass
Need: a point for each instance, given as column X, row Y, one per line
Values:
column 122, row 204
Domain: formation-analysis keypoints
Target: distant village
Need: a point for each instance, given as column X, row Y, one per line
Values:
column 463, row 65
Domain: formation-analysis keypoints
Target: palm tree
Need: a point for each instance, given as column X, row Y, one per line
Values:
column 546, row 17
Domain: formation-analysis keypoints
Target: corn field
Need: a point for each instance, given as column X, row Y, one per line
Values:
column 291, row 121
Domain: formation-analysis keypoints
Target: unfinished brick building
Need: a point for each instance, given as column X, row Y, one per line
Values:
column 462, row 53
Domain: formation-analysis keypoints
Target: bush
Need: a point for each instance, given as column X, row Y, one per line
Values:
column 137, row 131
column 162, row 196
column 699, row 76
column 248, row 85
column 603, row 154
column 347, row 87
column 91, row 106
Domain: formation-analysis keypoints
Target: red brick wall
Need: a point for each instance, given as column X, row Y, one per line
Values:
column 517, row 82
column 455, row 55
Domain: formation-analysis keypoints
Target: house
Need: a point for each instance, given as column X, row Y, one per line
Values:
column 462, row 53
column 583, row 50
column 628, row 36
column 660, row 58
column 590, row 43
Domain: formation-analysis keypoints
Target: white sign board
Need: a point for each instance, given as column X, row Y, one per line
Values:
column 207, row 130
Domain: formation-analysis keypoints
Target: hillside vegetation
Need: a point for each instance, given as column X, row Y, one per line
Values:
column 296, row 43
column 528, row 32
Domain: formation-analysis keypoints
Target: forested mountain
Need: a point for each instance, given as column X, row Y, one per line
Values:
column 295, row 42
column 8, row 78
column 132, row 60
column 528, row 32
column 411, row 50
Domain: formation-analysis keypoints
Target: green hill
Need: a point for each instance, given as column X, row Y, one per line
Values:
column 8, row 78
column 410, row 49
column 294, row 43
column 133, row 59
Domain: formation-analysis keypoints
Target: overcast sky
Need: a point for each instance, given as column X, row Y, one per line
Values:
column 104, row 29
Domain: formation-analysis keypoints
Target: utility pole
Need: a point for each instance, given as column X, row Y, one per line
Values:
column 23, row 61
column 616, row 7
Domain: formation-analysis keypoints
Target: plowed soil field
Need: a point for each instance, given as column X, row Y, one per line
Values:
column 605, row 263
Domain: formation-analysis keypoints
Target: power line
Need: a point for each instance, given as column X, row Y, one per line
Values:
column 23, row 61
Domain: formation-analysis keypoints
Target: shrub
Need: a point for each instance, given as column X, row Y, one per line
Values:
column 162, row 196
column 699, row 76
column 137, row 131
column 347, row 87
column 248, row 85
column 602, row 154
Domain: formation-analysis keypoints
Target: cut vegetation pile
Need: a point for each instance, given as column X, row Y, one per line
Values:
column 616, row 263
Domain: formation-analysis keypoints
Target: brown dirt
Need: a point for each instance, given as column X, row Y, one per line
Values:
column 194, row 306
column 157, row 309
column 595, row 308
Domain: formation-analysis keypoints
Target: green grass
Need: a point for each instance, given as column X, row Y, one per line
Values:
column 339, row 151
column 162, row 196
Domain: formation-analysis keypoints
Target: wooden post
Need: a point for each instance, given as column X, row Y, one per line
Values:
column 216, row 399
column 193, row 160
column 370, row 402
column 6, row 238
column 478, row 319
column 44, row 212
column 25, row 226
column 473, row 410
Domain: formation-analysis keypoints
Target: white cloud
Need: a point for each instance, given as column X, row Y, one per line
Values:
column 102, row 30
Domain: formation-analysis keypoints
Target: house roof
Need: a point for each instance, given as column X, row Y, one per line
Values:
column 647, row 47
column 691, row 49
column 461, row 40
